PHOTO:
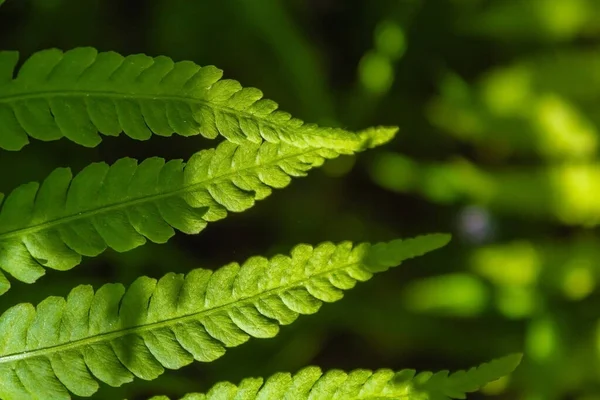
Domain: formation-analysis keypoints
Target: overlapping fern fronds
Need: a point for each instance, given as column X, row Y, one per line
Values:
column 312, row 384
column 68, row 345
column 53, row 224
column 115, row 334
column 79, row 93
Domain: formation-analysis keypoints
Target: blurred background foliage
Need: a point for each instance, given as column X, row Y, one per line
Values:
column 499, row 108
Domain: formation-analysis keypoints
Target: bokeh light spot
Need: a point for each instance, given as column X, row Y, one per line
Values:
column 394, row 171
column 579, row 281
column 577, row 188
column 475, row 224
column 507, row 91
column 542, row 339
column 562, row 131
column 376, row 73
column 460, row 295
column 390, row 39
column 516, row 302
column 340, row 166
column 517, row 263
column 561, row 18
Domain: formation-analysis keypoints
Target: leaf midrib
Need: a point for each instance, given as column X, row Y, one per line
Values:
column 140, row 200
column 138, row 329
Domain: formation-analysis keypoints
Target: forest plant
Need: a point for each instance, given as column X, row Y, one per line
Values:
column 114, row 334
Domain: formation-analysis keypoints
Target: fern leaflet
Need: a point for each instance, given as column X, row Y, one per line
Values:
column 312, row 384
column 117, row 334
column 119, row 206
column 81, row 92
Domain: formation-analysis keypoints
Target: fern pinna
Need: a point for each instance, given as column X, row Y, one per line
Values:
column 81, row 93
column 116, row 334
column 112, row 335
column 311, row 383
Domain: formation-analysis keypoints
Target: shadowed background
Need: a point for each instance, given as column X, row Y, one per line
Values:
column 499, row 108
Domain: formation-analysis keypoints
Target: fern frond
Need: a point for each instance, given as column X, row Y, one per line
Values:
column 441, row 386
column 119, row 206
column 312, row 384
column 113, row 335
column 80, row 93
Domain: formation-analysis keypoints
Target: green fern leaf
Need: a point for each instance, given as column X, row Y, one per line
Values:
column 311, row 384
column 441, row 386
column 80, row 93
column 119, row 206
column 113, row 335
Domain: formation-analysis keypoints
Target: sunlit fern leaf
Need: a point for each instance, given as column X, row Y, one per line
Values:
column 120, row 206
column 441, row 386
column 79, row 93
column 113, row 335
column 312, row 384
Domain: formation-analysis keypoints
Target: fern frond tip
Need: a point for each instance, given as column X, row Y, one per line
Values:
column 509, row 363
column 382, row 256
column 377, row 136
